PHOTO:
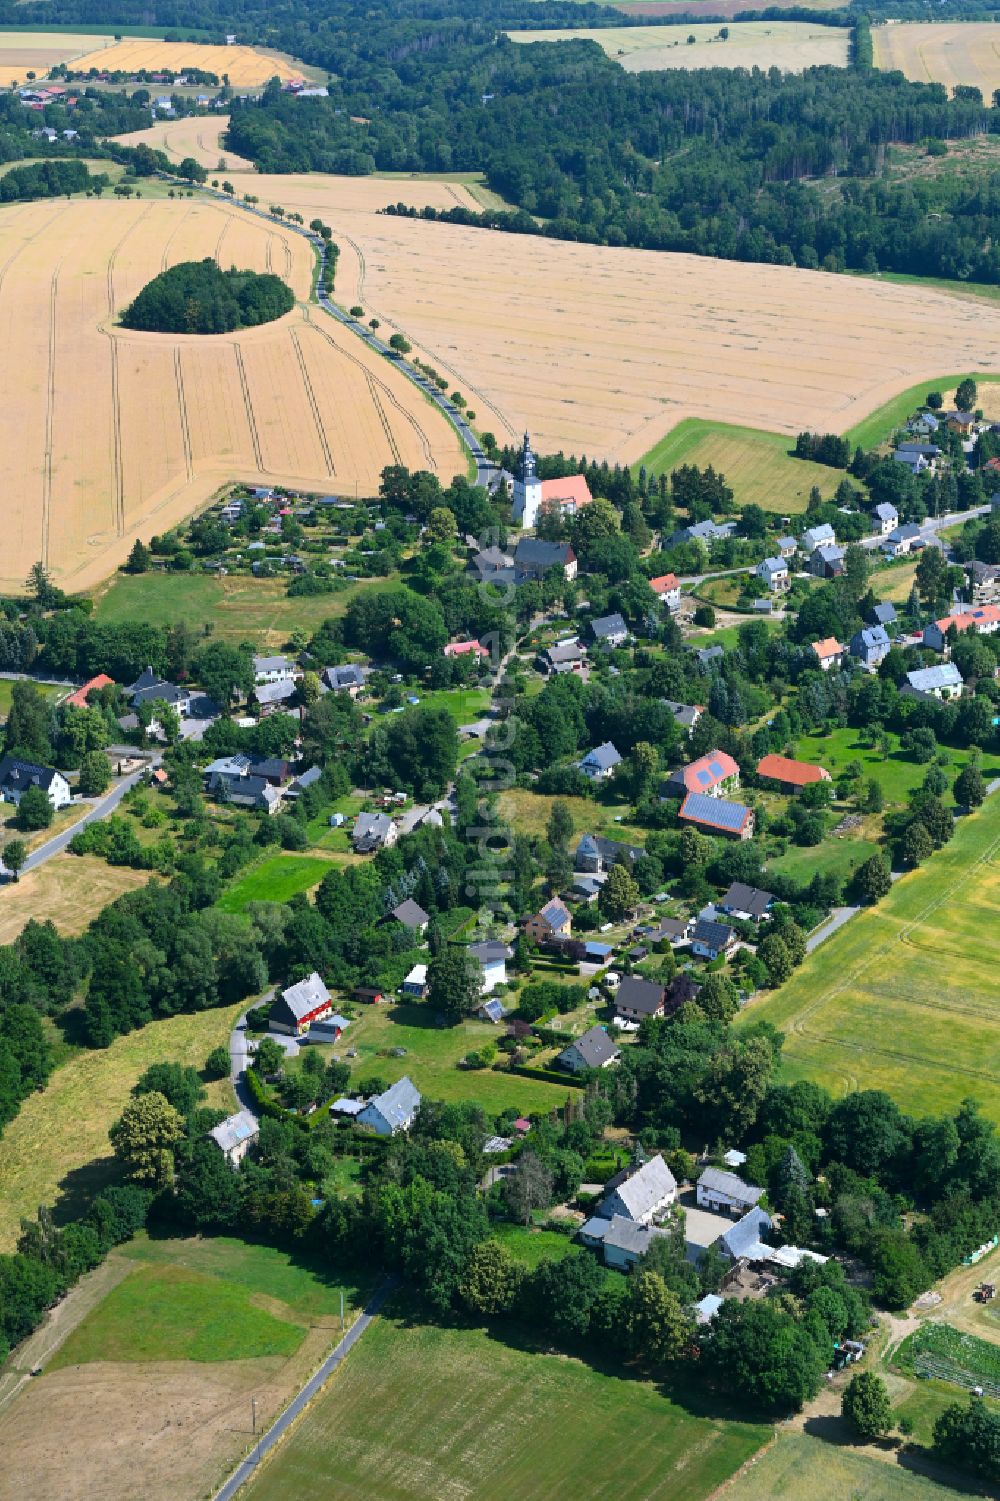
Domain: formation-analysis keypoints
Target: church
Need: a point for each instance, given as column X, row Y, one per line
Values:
column 533, row 495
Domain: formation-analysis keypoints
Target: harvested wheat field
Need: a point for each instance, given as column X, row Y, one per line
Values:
column 110, row 435
column 603, row 351
column 789, row 45
column 961, row 52
column 24, row 52
column 245, row 67
column 195, row 136
column 312, row 193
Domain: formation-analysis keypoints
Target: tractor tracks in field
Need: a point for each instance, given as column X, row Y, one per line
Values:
column 248, row 404
column 117, row 447
column 50, row 402
column 183, row 412
column 331, row 468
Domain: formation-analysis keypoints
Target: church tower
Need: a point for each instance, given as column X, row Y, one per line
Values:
column 527, row 487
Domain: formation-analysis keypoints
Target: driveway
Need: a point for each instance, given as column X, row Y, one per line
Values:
column 239, row 1055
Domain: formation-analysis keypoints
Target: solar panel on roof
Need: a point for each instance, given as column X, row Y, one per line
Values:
column 703, row 778
column 714, row 810
column 715, row 768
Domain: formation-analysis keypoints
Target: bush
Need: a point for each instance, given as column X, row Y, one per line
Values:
column 704, row 615
column 217, row 1063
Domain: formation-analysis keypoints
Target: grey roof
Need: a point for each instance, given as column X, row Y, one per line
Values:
column 815, row 536
column 885, row 512
column 242, row 789
column 643, row 1190
column 743, row 898
column 731, row 1184
column 307, row 778
column 636, row 994
column 350, row 675
column 786, row 542
column 831, row 553
column 942, row 675
column 594, row 1047
column 371, row 826
column 684, row 714
column 714, row 935
column 871, row 638
column 272, row 664
column 707, row 654
column 275, row 693
column 609, row 625
column 707, row 1307
column 411, row 914
column 397, row 1104
column 906, row 533
column 235, row 1129
column 882, row 613
column 604, row 757
column 491, row 951
column 566, row 651
column 744, row 1239
column 536, row 555
column 608, row 849
column 625, row 1235
column 18, row 776
column 773, row 565
column 716, row 812
column 305, row 996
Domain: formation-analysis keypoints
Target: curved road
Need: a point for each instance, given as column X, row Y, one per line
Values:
column 104, row 806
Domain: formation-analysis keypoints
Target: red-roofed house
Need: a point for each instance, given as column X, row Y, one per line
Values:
column 79, row 698
column 667, row 586
column 985, row 621
column 714, row 775
column 829, row 653
column 566, row 495
column 465, row 649
column 791, row 776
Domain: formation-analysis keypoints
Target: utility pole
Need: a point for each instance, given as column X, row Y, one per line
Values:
column 341, row 1312
column 253, row 1410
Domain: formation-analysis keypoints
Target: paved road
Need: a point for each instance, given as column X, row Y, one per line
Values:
column 103, row 808
column 298, row 1403
column 239, row 1055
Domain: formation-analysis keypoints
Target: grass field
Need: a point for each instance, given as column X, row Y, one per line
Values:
column 51, row 691
column 244, row 66
column 694, row 8
column 882, row 423
column 903, row 998
column 275, row 880
column 238, row 607
column 57, row 1151
column 788, row 45
column 964, row 52
column 421, row 1412
column 757, row 464
column 69, row 890
column 528, row 813
column 898, row 775
column 163, row 420
column 840, row 856
column 530, row 1247
column 800, row 1468
column 463, row 704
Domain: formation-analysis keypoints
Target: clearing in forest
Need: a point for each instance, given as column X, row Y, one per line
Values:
column 789, row 45
column 245, row 67
column 111, row 435
column 966, row 52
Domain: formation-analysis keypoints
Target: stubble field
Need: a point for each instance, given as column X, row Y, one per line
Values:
column 602, row 351
column 244, row 66
column 928, row 52
column 789, row 45
column 197, row 136
column 110, row 435
column 24, row 52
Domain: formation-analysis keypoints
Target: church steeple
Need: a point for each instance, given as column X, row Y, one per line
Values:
column 529, row 469
column 527, row 486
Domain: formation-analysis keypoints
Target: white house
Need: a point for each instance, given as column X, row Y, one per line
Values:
column 235, row 1135
column 774, row 573
column 415, row 983
column 941, row 681
column 492, row 958
column 600, row 763
column 829, row 653
column 594, row 1049
column 816, row 536
column 392, row 1111
column 17, row 776
column 373, row 831
column 725, row 1193
column 273, row 670
column 640, row 1194
column 668, row 589
column 623, row 1242
column 885, row 519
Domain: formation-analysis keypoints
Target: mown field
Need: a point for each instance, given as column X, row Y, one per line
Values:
column 961, row 52
column 758, row 465
column 898, row 774
column 24, row 52
column 788, row 45
column 68, row 890
column 420, row 1412
column 799, row 1468
column 195, row 136
column 903, row 998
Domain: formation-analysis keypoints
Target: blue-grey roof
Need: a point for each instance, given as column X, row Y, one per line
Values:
column 707, row 1307
column 714, row 935
column 871, row 638
column 883, row 613
column 886, row 512
column 397, row 1104
column 235, row 1129
column 708, row 654
column 774, row 565
column 744, row 1238
column 718, row 811
column 598, row 950
column 927, row 679
column 831, row 553
column 604, row 757
column 595, row 1047
column 609, row 625
column 555, row 913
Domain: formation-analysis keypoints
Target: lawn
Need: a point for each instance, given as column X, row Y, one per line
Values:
column 529, row 1247
column 838, row 855
column 51, row 691
column 432, row 1054
column 903, row 997
column 528, row 813
column 56, row 1150
column 756, row 464
column 898, row 775
column 238, row 608
column 419, row 1412
column 463, row 704
column 277, row 879
column 801, row 1468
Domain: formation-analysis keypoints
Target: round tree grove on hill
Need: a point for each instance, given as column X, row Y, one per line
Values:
column 198, row 297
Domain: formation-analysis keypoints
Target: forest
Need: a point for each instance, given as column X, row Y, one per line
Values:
column 196, row 297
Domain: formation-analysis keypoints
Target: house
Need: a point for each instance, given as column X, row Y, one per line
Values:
column 465, row 649
column 304, row 781
column 373, row 831
column 564, row 656
column 593, row 1050
column 712, row 940
column 150, row 688
column 881, row 613
column 791, row 776
column 667, row 587
column 235, row 1135
column 596, row 854
column 713, row 775
column 623, row 1242
column 17, row 776
column 640, row 1194
column 724, row 1193
column 829, row 653
column 924, row 425
column 985, row 621
column 746, row 903
column 273, row 670
column 816, row 536
column 247, row 792
column 296, row 1008
column 415, row 984
column 904, row 540
column 492, row 957
column 787, row 547
column 553, row 921
column 958, row 422
column 717, row 815
column 774, row 573
column 271, row 697
column 636, row 998
column 533, row 559
column 610, row 631
column 743, row 1241
column 706, row 532
column 673, row 930
column 393, row 1110
column 984, row 582
column 411, row 915
column 78, row 700
column 827, row 562
column 349, row 678
column 870, row 646
column 686, row 716
column 371, row 995
column 708, row 654
column 919, row 458
column 942, row 681
column 599, row 764
column 885, row 519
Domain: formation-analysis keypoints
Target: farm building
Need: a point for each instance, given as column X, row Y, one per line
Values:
column 640, row 1194
column 791, row 776
column 726, row 1193
column 716, row 815
column 296, row 1008
column 393, row 1110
